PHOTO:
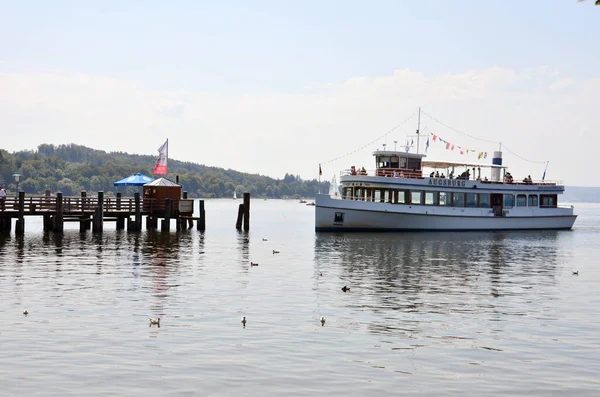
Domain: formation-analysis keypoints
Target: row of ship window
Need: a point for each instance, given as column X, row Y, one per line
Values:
column 450, row 199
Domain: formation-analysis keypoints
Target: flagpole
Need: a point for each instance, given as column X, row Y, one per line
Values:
column 418, row 128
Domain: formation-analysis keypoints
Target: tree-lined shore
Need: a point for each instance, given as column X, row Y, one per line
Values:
column 71, row 168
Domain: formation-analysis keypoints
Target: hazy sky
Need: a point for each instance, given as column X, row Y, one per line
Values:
column 280, row 86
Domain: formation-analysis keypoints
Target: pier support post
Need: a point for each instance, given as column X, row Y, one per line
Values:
column 246, row 212
column 86, row 225
column 20, row 224
column 166, row 223
column 119, row 201
column 138, row 212
column 5, row 224
column 47, row 222
column 99, row 214
column 58, row 224
column 201, row 225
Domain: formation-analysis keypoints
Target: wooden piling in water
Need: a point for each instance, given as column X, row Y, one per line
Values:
column 201, row 225
column 99, row 214
column 240, row 217
column 5, row 224
column 58, row 224
column 246, row 212
column 166, row 223
column 138, row 212
column 20, row 224
column 47, row 222
column 85, row 223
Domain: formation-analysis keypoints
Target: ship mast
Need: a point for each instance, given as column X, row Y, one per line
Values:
column 418, row 128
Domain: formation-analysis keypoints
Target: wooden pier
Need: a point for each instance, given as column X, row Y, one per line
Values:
column 92, row 212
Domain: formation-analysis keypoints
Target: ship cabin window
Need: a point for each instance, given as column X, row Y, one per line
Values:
column 347, row 193
column 383, row 162
column 377, row 195
column 445, row 198
column 521, row 200
column 472, row 200
column 431, row 198
column 484, row 200
column 509, row 201
column 548, row 200
column 415, row 197
column 458, row 199
column 402, row 162
column 533, row 200
column 395, row 162
column 414, row 164
column 402, row 197
column 357, row 193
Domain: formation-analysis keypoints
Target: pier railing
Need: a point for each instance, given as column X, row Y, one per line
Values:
column 42, row 204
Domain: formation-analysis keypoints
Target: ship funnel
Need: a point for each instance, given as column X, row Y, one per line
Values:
column 496, row 160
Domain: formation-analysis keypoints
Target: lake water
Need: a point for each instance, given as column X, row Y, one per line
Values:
column 444, row 314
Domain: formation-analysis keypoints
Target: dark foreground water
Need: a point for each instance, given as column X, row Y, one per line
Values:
column 437, row 314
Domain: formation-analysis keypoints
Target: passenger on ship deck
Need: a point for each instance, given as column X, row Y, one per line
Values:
column 437, row 174
column 363, row 171
column 401, row 175
column 353, row 170
column 443, row 176
column 432, row 174
column 485, row 179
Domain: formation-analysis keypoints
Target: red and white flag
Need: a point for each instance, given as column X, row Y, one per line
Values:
column 161, row 162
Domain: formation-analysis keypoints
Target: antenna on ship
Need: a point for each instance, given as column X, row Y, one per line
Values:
column 418, row 128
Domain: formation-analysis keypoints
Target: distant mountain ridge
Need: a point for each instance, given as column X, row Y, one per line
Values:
column 581, row 194
column 72, row 168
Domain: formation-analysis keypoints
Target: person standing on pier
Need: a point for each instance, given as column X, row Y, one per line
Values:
column 2, row 197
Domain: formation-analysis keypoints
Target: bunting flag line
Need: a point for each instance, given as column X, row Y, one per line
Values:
column 161, row 162
column 450, row 146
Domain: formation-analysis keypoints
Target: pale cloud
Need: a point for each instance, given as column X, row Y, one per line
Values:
column 537, row 113
column 561, row 83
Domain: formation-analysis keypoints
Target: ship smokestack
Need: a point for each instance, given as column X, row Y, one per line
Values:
column 496, row 160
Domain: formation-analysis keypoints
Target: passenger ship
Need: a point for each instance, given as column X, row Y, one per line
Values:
column 399, row 196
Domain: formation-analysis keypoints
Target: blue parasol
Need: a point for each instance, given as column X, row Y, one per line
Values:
column 134, row 180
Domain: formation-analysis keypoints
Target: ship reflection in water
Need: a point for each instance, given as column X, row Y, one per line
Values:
column 428, row 276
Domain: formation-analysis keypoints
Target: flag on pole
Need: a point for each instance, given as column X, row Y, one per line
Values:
column 161, row 162
column 412, row 142
column 320, row 172
column 427, row 145
column 544, row 175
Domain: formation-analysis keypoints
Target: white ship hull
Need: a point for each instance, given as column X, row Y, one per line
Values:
column 353, row 215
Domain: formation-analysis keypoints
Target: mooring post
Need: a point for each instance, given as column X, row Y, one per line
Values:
column 47, row 222
column 58, row 225
column 4, row 222
column 246, row 212
column 83, row 224
column 201, row 225
column 118, row 201
column 86, row 224
column 166, row 223
column 138, row 212
column 99, row 214
column 20, row 224
column 240, row 218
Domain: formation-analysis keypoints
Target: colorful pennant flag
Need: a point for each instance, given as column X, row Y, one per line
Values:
column 161, row 162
